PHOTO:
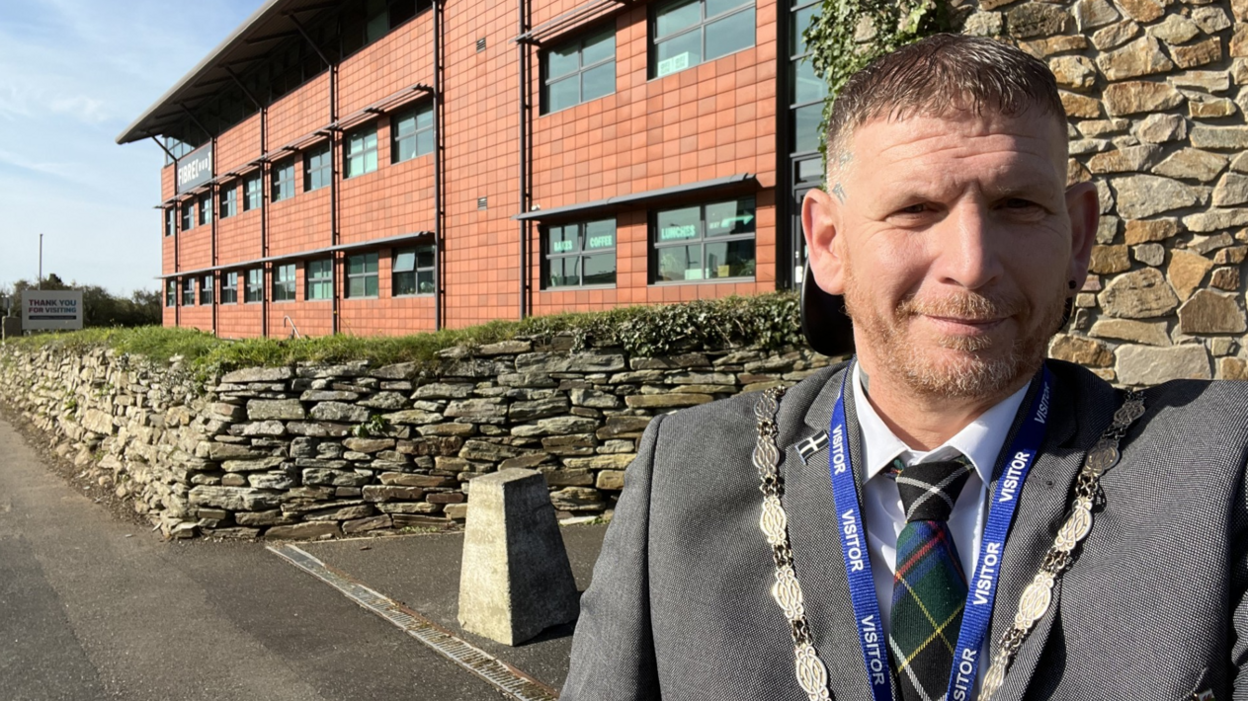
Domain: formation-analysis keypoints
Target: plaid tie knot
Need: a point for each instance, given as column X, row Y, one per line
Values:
column 930, row 489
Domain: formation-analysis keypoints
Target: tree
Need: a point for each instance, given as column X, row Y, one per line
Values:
column 101, row 308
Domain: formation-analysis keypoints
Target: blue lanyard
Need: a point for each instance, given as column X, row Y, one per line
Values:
column 982, row 588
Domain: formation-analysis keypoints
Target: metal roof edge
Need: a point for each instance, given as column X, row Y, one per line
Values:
column 636, row 197
column 415, row 236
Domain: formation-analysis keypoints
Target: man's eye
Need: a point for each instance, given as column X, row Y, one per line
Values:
column 913, row 209
column 1019, row 203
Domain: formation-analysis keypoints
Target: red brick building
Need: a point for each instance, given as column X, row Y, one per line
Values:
column 391, row 166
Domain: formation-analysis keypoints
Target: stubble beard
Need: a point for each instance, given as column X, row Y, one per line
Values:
column 975, row 371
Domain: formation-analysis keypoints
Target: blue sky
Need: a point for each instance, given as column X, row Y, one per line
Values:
column 73, row 75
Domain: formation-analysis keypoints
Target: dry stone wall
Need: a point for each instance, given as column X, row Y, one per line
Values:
column 1156, row 92
column 319, row 451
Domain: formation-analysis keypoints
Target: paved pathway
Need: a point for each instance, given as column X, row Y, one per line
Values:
column 95, row 608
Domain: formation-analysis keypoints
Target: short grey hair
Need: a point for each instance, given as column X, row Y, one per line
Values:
column 940, row 75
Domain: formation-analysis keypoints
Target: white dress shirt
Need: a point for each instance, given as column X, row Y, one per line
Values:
column 980, row 441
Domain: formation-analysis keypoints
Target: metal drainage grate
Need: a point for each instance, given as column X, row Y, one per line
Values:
column 507, row 679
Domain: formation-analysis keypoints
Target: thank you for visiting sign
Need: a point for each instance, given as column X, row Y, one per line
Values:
column 45, row 310
column 195, row 168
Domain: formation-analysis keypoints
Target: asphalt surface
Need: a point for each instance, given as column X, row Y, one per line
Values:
column 94, row 607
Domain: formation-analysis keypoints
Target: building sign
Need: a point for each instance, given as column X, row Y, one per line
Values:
column 677, row 233
column 600, row 241
column 48, row 310
column 195, row 168
column 679, row 62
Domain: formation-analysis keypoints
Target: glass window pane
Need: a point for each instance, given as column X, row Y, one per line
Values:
column 370, row 161
column 597, row 82
column 355, row 265
column 425, row 282
column 563, row 239
column 424, row 257
column 405, row 262
column 563, row 94
column 424, row 142
column 600, row 235
column 405, row 125
column 678, row 224
column 370, row 286
column 807, row 87
column 600, row 269
column 562, row 61
column 800, row 21
column 719, row 7
column 679, row 263
column 370, row 263
column 732, row 33
column 735, row 217
column 424, row 117
column 679, row 53
column 598, row 48
column 810, row 170
column 806, row 127
column 563, row 272
column 356, row 287
column 403, row 284
column 404, row 149
column 678, row 16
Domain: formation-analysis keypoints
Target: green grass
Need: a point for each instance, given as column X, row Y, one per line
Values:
column 765, row 321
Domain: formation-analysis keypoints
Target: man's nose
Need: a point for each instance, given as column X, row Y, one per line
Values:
column 967, row 252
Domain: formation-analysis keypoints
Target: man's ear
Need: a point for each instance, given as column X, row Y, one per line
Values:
column 820, row 223
column 1084, row 206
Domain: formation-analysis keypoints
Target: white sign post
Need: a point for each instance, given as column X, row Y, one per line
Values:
column 44, row 310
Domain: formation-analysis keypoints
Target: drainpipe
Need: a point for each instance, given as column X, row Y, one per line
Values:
column 524, row 158
column 437, row 166
column 264, row 217
column 214, row 192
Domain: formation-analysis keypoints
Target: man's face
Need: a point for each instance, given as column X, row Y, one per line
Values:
column 953, row 240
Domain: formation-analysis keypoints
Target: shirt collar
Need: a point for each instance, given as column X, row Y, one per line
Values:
column 980, row 440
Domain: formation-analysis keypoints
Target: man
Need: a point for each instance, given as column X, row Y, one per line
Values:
column 950, row 232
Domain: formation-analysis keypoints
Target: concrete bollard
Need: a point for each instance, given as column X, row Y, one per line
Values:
column 515, row 580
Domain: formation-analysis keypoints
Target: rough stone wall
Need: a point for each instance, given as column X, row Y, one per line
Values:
column 316, row 451
column 1156, row 92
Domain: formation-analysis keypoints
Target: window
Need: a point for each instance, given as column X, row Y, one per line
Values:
column 255, row 285
column 411, row 133
column 361, row 152
column 171, row 292
column 283, row 177
column 188, row 214
column 412, row 273
column 188, row 292
column 205, row 290
column 284, row 283
column 688, row 32
column 229, row 288
column 316, row 168
column 579, row 71
column 705, row 242
column 318, row 279
column 579, row 254
column 205, row 209
column 362, row 275
column 807, row 91
column 229, row 199
column 366, row 21
column 253, row 185
column 171, row 221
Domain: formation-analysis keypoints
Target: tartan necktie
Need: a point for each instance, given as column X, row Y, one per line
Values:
column 929, row 587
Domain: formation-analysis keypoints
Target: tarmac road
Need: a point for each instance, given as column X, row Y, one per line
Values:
column 92, row 607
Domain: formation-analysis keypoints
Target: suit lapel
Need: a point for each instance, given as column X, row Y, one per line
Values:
column 813, row 535
column 1079, row 411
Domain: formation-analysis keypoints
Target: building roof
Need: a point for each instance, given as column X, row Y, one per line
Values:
column 252, row 40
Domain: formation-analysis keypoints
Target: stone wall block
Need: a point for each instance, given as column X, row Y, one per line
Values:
column 1037, row 20
column 1135, row 97
column 1143, row 196
column 1216, row 219
column 1232, row 189
column 1139, row 294
column 1148, row 333
column 1211, row 312
column 1192, row 164
column 1146, row 365
column 278, row 409
column 1139, row 58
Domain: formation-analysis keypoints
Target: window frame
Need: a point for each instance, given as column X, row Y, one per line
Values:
column 171, row 293
column 364, row 276
column 397, row 140
column 229, row 287
column 581, row 70
column 287, row 285
column 228, row 197
column 318, row 280
column 652, row 32
column 187, row 213
column 253, row 293
column 367, row 130
column 206, row 290
column 257, row 192
column 205, row 208
column 188, row 291
column 580, row 253
column 321, row 173
column 701, row 239
column 171, row 221
column 283, row 187
column 397, row 269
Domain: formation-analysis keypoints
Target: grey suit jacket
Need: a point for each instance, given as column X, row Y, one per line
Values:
column 1153, row 608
